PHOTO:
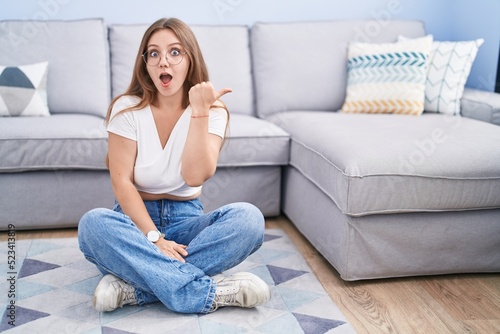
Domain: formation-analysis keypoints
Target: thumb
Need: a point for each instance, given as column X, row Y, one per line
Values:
column 222, row 92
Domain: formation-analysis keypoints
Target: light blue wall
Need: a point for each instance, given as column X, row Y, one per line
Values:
column 445, row 19
column 479, row 19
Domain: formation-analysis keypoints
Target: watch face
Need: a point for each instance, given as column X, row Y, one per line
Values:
column 153, row 236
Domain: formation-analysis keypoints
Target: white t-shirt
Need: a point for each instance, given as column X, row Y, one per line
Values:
column 157, row 170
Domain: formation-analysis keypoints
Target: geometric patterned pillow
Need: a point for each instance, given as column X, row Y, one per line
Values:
column 387, row 77
column 449, row 68
column 23, row 90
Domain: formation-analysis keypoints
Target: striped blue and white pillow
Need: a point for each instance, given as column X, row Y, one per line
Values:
column 23, row 90
column 387, row 77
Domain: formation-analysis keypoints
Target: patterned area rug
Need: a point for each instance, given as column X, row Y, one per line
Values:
column 50, row 288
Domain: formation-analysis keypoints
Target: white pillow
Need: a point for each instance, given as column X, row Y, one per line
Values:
column 23, row 90
column 449, row 67
column 387, row 77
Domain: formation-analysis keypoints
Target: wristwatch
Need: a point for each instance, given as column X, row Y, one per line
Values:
column 154, row 235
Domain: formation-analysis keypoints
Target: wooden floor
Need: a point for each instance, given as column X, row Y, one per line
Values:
column 436, row 304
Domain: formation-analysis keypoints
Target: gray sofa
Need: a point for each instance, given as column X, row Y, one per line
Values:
column 338, row 177
column 349, row 187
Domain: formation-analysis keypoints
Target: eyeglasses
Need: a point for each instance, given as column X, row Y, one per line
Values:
column 174, row 56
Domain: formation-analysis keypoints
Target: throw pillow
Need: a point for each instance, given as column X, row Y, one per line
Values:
column 449, row 67
column 387, row 77
column 23, row 90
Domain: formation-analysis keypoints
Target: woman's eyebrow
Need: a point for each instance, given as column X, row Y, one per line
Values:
column 171, row 44
column 175, row 43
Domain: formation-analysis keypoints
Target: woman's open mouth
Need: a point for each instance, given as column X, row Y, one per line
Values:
column 165, row 79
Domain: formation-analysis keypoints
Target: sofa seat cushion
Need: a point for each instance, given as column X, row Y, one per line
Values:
column 370, row 164
column 80, row 142
column 254, row 142
column 60, row 141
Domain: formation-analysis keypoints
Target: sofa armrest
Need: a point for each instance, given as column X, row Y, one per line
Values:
column 481, row 105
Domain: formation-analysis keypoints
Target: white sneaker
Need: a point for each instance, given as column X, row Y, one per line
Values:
column 113, row 292
column 241, row 290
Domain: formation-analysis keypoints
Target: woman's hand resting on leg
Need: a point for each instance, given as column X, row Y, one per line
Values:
column 172, row 249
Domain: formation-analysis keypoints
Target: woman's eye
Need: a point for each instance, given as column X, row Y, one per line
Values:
column 175, row 53
column 154, row 54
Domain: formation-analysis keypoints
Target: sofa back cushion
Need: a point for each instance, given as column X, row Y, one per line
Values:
column 303, row 66
column 77, row 53
column 225, row 49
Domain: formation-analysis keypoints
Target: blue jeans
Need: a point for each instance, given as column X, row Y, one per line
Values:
column 216, row 241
